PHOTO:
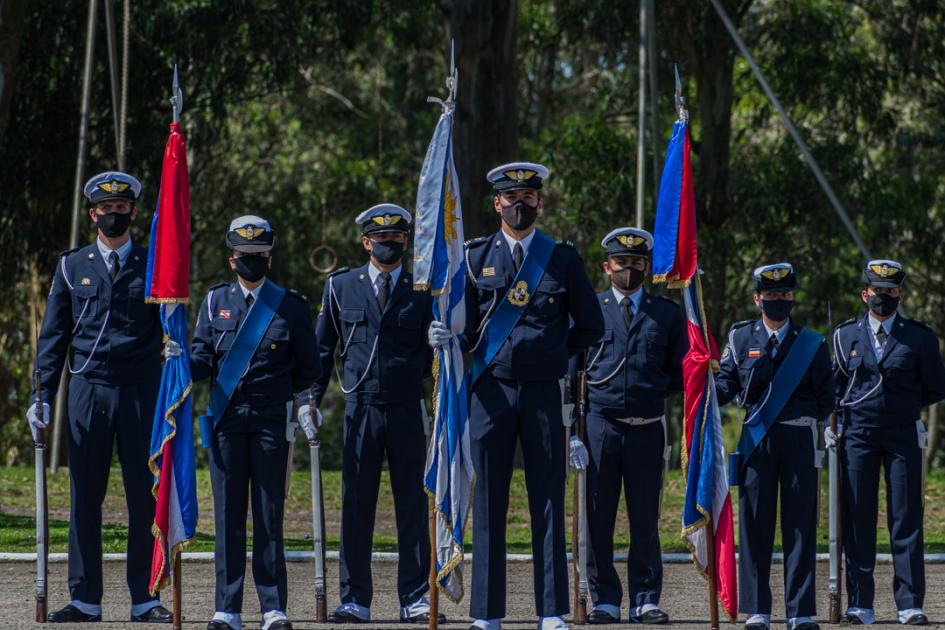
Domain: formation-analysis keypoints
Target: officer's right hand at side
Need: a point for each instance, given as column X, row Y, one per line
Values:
column 577, row 453
column 308, row 421
column 36, row 424
column 438, row 334
column 171, row 349
column 831, row 439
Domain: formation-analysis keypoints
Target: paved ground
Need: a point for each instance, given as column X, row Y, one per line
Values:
column 684, row 595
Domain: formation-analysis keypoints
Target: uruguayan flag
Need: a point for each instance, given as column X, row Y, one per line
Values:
column 440, row 267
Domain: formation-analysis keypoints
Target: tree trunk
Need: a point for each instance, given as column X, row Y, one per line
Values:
column 12, row 17
column 486, row 130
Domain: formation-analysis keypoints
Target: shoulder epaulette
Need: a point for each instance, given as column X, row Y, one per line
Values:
column 666, row 299
column 218, row 285
column 744, row 322
column 67, row 252
column 852, row 320
column 566, row 244
column 298, row 295
column 338, row 271
column 917, row 323
column 473, row 242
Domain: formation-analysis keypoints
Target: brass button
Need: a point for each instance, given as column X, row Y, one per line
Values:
column 272, row 346
column 551, row 300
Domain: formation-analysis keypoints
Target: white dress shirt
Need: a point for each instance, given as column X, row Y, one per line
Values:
column 375, row 275
column 874, row 328
column 106, row 252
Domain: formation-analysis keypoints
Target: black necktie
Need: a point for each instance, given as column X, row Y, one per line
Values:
column 627, row 305
column 881, row 335
column 383, row 292
column 773, row 342
column 116, row 264
column 517, row 255
column 249, row 300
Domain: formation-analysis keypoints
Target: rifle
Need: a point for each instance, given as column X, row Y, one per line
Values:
column 318, row 525
column 579, row 524
column 835, row 524
column 42, row 506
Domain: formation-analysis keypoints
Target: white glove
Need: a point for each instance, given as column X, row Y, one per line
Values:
column 438, row 334
column 171, row 349
column 577, row 453
column 35, row 423
column 831, row 439
column 308, row 421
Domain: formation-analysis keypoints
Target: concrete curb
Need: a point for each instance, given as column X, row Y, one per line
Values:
column 387, row 556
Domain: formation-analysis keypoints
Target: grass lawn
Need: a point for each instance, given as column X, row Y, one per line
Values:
column 17, row 526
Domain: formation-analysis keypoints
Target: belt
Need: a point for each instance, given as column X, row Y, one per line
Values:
column 636, row 422
column 803, row 421
column 807, row 421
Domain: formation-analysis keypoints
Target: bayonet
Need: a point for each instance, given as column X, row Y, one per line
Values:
column 452, row 83
column 177, row 96
column 681, row 110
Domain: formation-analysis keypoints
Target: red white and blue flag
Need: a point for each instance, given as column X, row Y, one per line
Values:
column 172, row 437
column 675, row 257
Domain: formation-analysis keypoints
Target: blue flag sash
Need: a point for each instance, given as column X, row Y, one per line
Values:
column 238, row 356
column 510, row 309
column 785, row 381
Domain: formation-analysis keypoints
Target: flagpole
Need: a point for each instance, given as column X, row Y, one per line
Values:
column 434, row 583
column 178, row 618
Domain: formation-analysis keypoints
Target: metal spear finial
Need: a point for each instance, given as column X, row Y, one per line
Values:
column 681, row 110
column 452, row 82
column 177, row 97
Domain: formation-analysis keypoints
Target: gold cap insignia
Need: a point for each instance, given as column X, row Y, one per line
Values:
column 520, row 175
column 774, row 274
column 387, row 219
column 630, row 240
column 114, row 186
column 883, row 271
column 518, row 295
column 249, row 232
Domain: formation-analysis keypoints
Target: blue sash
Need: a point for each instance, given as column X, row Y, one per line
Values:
column 510, row 309
column 238, row 356
column 783, row 384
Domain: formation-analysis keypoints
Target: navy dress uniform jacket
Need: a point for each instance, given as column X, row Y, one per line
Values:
column 644, row 359
column 385, row 355
column 114, row 339
column 125, row 349
column 745, row 378
column 562, row 317
column 285, row 362
column 892, row 390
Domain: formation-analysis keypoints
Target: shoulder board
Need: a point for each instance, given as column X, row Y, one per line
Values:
column 667, row 300
column 474, row 242
column 297, row 295
column 566, row 244
column 67, row 252
column 852, row 320
column 218, row 285
column 337, row 271
column 744, row 322
column 917, row 323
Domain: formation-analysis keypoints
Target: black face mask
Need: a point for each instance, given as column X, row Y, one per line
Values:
column 882, row 304
column 777, row 310
column 251, row 267
column 387, row 252
column 519, row 215
column 628, row 279
column 114, row 224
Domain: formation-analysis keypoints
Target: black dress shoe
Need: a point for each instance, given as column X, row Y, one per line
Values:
column 343, row 616
column 807, row 625
column 70, row 614
column 598, row 616
column 424, row 618
column 216, row 624
column 849, row 619
column 157, row 614
column 655, row 617
column 280, row 624
column 755, row 626
column 918, row 619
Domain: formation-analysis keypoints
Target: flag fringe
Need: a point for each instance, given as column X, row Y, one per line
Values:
column 169, row 417
column 166, row 300
column 446, row 569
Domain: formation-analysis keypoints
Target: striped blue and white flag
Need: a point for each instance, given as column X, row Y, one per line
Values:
column 440, row 267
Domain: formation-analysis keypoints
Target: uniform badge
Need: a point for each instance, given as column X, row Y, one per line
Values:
column 86, row 282
column 518, row 295
column 726, row 352
column 249, row 232
column 225, row 313
column 488, row 271
column 754, row 353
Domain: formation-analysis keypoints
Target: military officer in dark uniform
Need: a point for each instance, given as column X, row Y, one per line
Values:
column 529, row 306
column 97, row 323
column 263, row 334
column 380, row 323
column 780, row 373
column 637, row 363
column 887, row 368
